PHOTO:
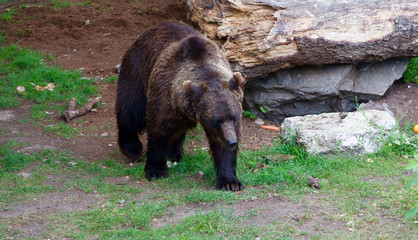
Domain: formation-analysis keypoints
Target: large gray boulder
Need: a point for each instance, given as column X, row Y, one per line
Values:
column 262, row 36
column 359, row 132
column 311, row 90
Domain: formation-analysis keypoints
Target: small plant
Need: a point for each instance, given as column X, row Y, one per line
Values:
column 249, row 114
column 111, row 79
column 411, row 73
column 58, row 5
column 81, row 4
column 264, row 110
column 2, row 37
column 413, row 165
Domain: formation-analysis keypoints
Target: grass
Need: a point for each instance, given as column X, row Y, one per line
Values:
column 411, row 73
column 28, row 69
column 22, row 68
column 7, row 15
column 59, row 4
column 363, row 190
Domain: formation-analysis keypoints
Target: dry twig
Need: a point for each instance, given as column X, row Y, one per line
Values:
column 71, row 112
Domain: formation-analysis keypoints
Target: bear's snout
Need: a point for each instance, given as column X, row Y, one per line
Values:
column 229, row 134
column 233, row 143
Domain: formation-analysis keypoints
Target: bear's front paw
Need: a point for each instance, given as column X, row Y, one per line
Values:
column 151, row 173
column 230, row 184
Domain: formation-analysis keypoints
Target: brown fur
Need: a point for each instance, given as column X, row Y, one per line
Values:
column 184, row 79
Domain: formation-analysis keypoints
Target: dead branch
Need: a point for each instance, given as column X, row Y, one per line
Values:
column 313, row 182
column 71, row 112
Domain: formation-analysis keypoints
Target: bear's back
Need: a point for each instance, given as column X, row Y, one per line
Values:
column 147, row 48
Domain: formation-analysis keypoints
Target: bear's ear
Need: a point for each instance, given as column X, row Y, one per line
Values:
column 236, row 84
column 194, row 48
column 237, row 81
column 193, row 90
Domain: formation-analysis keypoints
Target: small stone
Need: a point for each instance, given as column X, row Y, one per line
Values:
column 25, row 174
column 313, row 182
column 110, row 145
column 117, row 68
column 259, row 121
column 200, row 175
column 20, row 89
column 105, row 134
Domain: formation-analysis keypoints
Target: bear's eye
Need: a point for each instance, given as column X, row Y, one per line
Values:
column 217, row 122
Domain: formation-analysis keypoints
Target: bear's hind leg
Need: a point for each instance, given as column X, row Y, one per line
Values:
column 129, row 143
column 175, row 151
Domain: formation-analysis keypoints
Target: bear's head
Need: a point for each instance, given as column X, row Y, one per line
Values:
column 217, row 105
column 212, row 93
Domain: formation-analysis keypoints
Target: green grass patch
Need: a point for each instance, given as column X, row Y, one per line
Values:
column 27, row 69
column 362, row 189
column 81, row 4
column 59, row 4
column 411, row 73
column 7, row 15
column 25, row 75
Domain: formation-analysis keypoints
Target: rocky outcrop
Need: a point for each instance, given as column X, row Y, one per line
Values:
column 311, row 90
column 358, row 132
column 262, row 36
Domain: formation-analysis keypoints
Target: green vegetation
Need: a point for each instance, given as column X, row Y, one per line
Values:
column 111, row 79
column 411, row 73
column 59, row 4
column 26, row 75
column 28, row 69
column 7, row 15
column 361, row 189
column 86, row 3
column 413, row 165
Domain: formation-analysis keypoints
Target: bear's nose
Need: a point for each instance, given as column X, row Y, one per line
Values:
column 232, row 143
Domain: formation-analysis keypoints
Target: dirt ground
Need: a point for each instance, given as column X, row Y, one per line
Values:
column 93, row 39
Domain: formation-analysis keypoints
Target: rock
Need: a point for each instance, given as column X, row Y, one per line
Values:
column 376, row 106
column 351, row 133
column 313, row 182
column 311, row 90
column 262, row 36
column 25, row 174
column 36, row 148
column 6, row 115
column 105, row 134
column 117, row 68
column 200, row 175
column 259, row 121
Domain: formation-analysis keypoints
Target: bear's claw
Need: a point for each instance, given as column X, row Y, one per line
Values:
column 156, row 174
column 234, row 186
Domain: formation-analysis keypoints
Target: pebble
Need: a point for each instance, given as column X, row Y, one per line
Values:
column 105, row 134
column 117, row 68
column 200, row 175
column 110, row 145
column 259, row 121
column 25, row 174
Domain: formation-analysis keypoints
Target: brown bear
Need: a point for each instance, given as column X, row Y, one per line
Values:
column 170, row 79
